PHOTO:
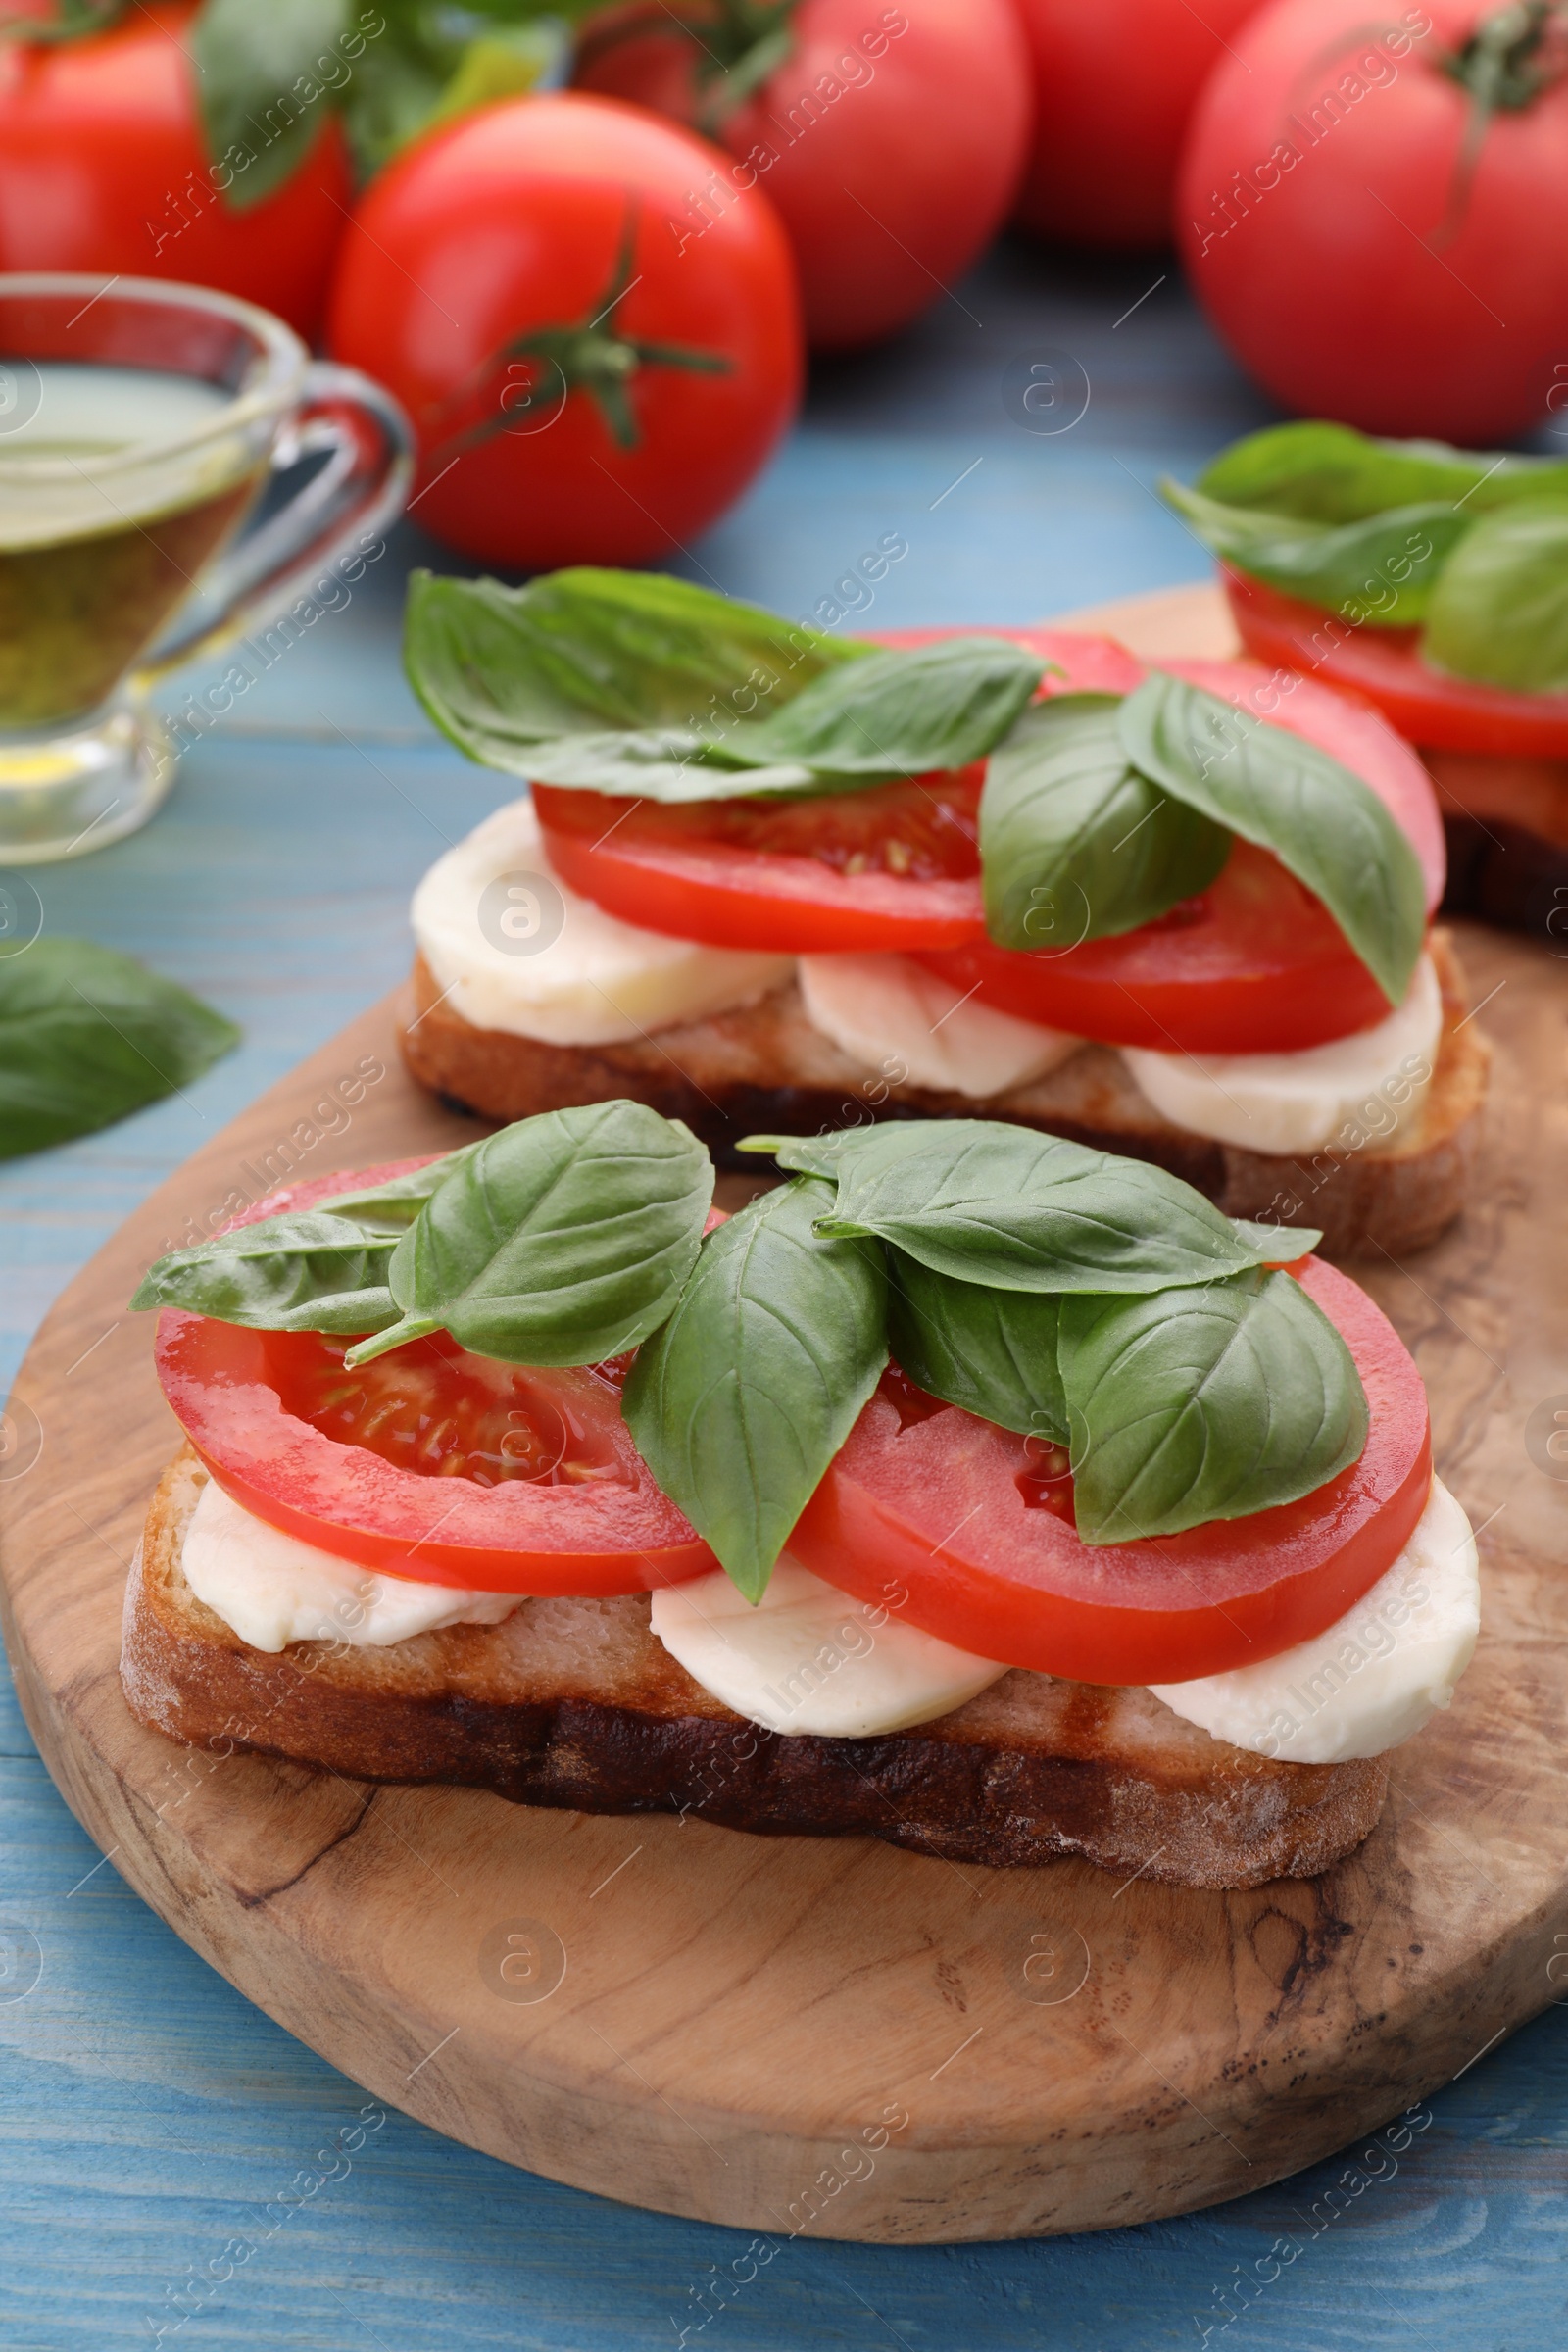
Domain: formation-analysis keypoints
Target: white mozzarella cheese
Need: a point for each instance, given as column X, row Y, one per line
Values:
column 1371, row 1680
column 1300, row 1101
column 272, row 1588
column 884, row 1008
column 808, row 1658
column 516, row 949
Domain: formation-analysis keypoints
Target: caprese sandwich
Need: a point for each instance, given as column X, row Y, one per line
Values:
column 769, row 878
column 1430, row 583
column 968, row 1488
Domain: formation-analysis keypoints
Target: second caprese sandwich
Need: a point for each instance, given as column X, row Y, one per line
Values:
column 969, row 1490
column 768, row 878
column 1432, row 584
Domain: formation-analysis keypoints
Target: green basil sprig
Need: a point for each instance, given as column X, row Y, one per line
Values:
column 1389, row 534
column 1075, row 843
column 563, row 1240
column 87, row 1036
column 1004, row 1205
column 625, row 682
column 1190, row 1406
column 1276, row 789
column 743, row 1399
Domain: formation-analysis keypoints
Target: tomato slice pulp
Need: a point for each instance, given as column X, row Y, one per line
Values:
column 429, row 1463
column 974, row 1523
column 1256, row 963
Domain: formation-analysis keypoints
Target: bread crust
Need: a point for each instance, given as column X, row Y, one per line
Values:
column 576, row 1704
column 1507, row 822
column 763, row 1069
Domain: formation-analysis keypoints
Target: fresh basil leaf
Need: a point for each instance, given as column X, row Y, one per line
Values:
column 1273, row 787
column 1021, row 1211
column 994, row 1352
column 1074, row 843
column 87, row 1036
column 1201, row 1404
column 1379, row 571
column 563, row 1240
column 1278, row 1245
column 262, row 101
column 743, row 1399
column 1501, row 610
column 615, row 682
column 670, row 765
column 390, row 1208
column 1328, row 473
column 899, row 713
column 288, row 1273
column 590, row 654
column 803, row 1155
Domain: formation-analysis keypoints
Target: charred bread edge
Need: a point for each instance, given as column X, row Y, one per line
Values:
column 1398, row 1199
column 1211, row 1815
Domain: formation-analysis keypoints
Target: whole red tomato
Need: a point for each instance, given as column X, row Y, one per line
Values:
column 591, row 381
column 1114, row 83
column 1373, row 246
column 103, row 167
column 891, row 139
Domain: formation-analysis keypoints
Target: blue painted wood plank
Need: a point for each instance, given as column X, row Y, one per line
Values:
column 148, row 2115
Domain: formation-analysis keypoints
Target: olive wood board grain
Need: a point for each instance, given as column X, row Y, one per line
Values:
column 823, row 2035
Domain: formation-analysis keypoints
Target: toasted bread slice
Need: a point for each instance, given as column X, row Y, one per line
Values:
column 1507, row 821
column 576, row 1703
column 764, row 1069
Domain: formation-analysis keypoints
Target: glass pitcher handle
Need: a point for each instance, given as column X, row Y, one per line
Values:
column 339, row 513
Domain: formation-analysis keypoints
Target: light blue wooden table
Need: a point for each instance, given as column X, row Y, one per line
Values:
column 148, row 2113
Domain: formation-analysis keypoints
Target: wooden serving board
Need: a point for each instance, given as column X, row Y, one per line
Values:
column 834, row 2036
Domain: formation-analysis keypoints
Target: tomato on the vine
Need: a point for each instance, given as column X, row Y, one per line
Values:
column 104, row 167
column 890, row 140
column 585, row 389
column 1375, row 213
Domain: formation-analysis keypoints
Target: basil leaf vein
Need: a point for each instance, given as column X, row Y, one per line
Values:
column 1074, row 843
column 1195, row 1404
column 1320, row 820
column 87, row 1036
column 563, row 1240
column 741, row 1400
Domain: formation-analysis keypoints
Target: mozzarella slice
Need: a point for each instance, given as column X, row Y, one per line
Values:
column 880, row 1009
column 1300, row 1101
column 1375, row 1677
column 808, row 1658
column 516, row 949
column 272, row 1588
